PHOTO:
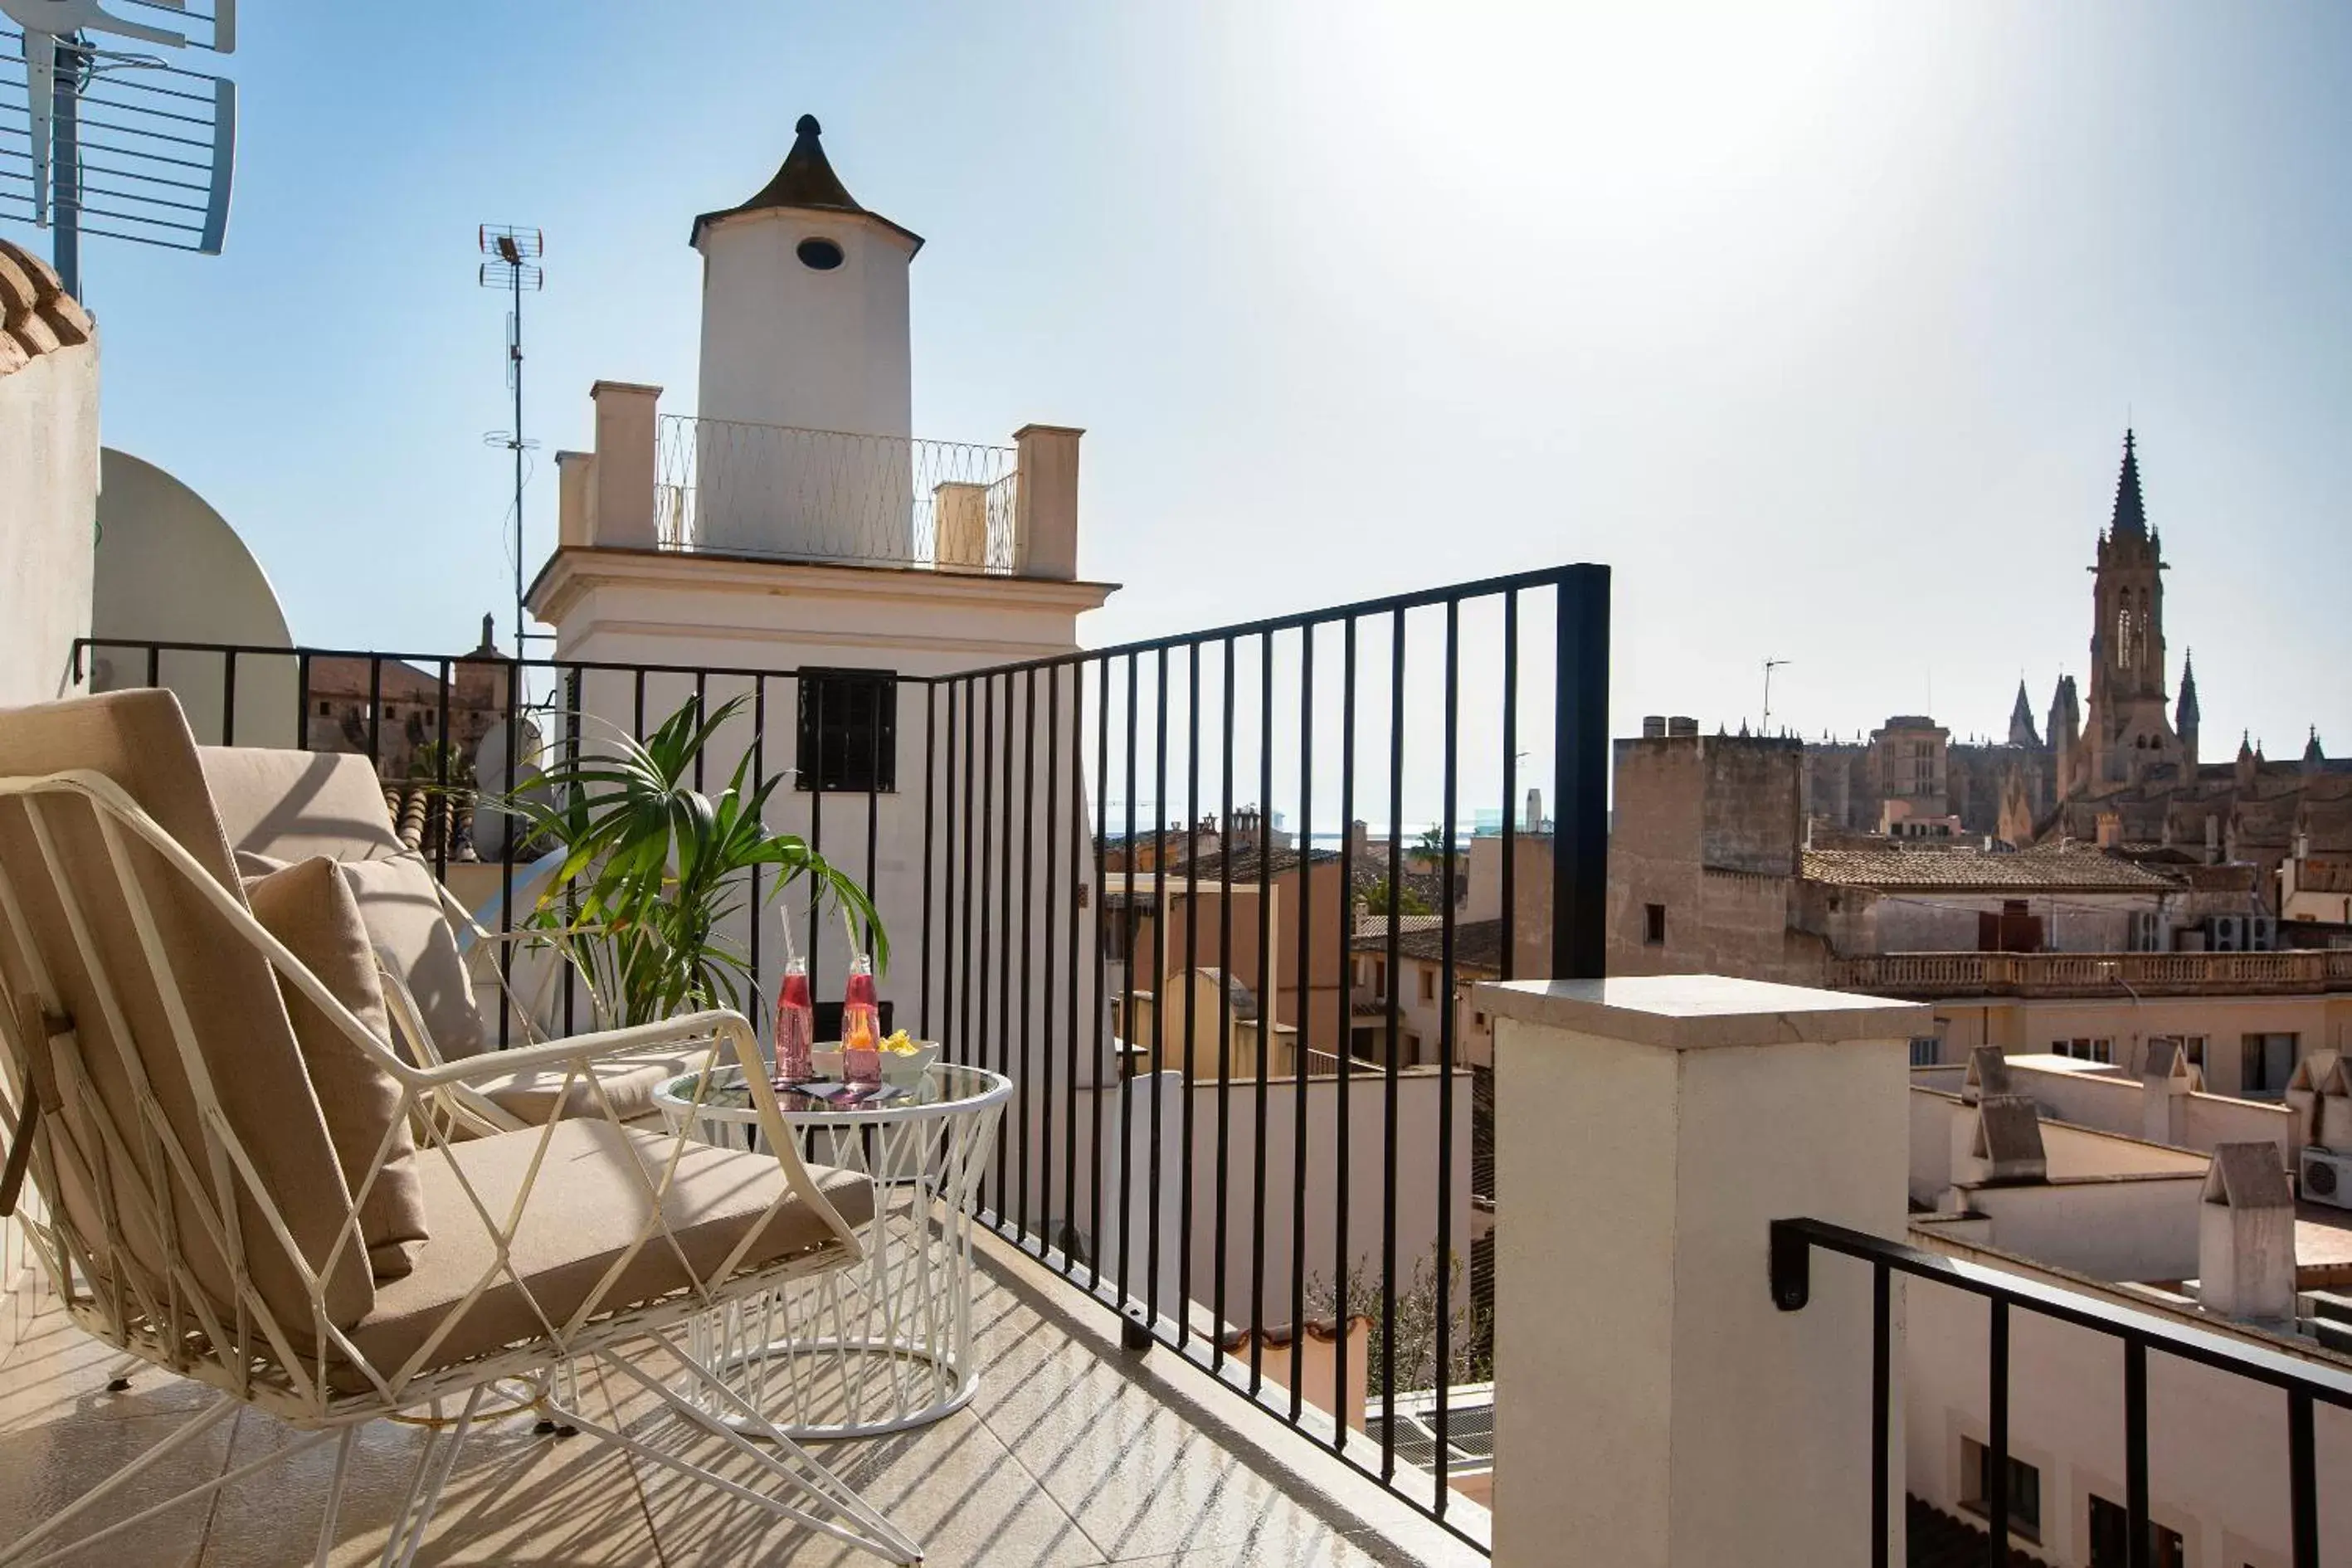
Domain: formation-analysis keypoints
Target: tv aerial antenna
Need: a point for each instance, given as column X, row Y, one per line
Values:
column 510, row 261
column 145, row 148
column 1765, row 728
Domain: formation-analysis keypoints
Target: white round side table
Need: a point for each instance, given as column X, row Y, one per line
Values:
column 874, row 1349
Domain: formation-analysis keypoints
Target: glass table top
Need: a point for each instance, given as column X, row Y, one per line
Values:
column 944, row 1088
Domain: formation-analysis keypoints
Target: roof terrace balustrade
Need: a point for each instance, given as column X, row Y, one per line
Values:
column 769, row 490
column 1952, row 974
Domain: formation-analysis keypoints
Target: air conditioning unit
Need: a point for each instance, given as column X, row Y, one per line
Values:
column 2261, row 934
column 2327, row 1177
column 2226, row 933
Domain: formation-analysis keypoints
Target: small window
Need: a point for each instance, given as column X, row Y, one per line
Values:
column 2111, row 1538
column 1654, row 925
column 325, row 709
column 1361, row 1045
column 1479, row 1019
column 2266, row 1062
column 849, row 730
column 2024, row 1488
column 818, row 255
column 1409, row 1050
column 1429, row 986
column 1926, row 1050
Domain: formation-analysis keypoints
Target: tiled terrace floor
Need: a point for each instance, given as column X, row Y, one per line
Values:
column 1073, row 1453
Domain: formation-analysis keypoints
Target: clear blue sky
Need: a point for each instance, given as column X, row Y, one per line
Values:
column 1819, row 324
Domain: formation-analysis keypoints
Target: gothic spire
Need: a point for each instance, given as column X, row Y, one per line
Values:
column 2021, row 720
column 2130, row 519
column 2065, row 725
column 2184, row 716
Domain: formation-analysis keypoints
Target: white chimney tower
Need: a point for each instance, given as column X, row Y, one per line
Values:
column 806, row 396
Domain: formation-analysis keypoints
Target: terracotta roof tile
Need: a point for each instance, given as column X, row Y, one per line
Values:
column 37, row 315
column 1478, row 944
column 2072, row 869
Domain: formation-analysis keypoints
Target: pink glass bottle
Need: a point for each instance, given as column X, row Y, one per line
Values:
column 795, row 1026
column 861, row 1026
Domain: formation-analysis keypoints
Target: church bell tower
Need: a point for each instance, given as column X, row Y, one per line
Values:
column 2130, row 734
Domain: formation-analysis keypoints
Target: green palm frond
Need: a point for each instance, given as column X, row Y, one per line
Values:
column 653, row 868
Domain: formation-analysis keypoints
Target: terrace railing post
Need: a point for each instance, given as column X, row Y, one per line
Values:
column 1655, row 1405
column 1580, row 841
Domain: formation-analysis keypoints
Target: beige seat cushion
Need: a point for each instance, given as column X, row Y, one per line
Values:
column 242, row 1037
column 291, row 806
column 406, row 923
column 310, row 908
column 585, row 1210
column 628, row 1084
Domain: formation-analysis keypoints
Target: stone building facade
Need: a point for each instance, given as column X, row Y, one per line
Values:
column 2120, row 768
column 398, row 712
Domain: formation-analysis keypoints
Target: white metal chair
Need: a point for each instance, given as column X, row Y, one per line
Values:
column 182, row 1086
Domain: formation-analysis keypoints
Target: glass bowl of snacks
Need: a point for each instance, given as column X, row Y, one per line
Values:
column 905, row 1060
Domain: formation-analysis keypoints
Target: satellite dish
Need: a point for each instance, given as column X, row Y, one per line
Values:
column 142, row 146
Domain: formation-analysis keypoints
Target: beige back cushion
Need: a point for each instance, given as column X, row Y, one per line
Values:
column 400, row 900
column 410, row 931
column 310, row 908
column 291, row 806
column 277, row 807
column 69, row 935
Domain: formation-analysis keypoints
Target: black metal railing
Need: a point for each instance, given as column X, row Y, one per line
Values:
column 417, row 716
column 1253, row 1187
column 1229, row 1173
column 2303, row 1383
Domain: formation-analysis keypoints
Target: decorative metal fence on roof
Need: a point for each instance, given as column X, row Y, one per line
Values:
column 725, row 487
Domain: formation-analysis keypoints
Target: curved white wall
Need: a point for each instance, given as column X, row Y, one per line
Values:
column 171, row 569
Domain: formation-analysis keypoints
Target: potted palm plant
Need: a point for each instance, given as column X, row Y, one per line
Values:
column 654, row 870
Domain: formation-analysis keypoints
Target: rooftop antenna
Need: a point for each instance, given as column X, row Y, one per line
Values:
column 169, row 136
column 512, row 264
column 1770, row 666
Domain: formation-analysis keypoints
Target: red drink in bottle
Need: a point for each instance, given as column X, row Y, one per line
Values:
column 861, row 1026
column 795, row 1026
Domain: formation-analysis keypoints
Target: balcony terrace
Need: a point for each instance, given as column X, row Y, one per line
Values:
column 1075, row 1452
column 1933, row 976
column 1159, row 1217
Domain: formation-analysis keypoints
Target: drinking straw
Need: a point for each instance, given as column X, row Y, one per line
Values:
column 791, row 948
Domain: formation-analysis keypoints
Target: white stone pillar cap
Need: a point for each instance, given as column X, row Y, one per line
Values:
column 1697, row 1012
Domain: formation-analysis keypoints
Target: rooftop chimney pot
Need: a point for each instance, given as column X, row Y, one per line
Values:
column 2245, row 1235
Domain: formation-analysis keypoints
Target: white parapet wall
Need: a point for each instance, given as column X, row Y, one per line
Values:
column 49, row 479
column 48, row 511
column 1653, row 1407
